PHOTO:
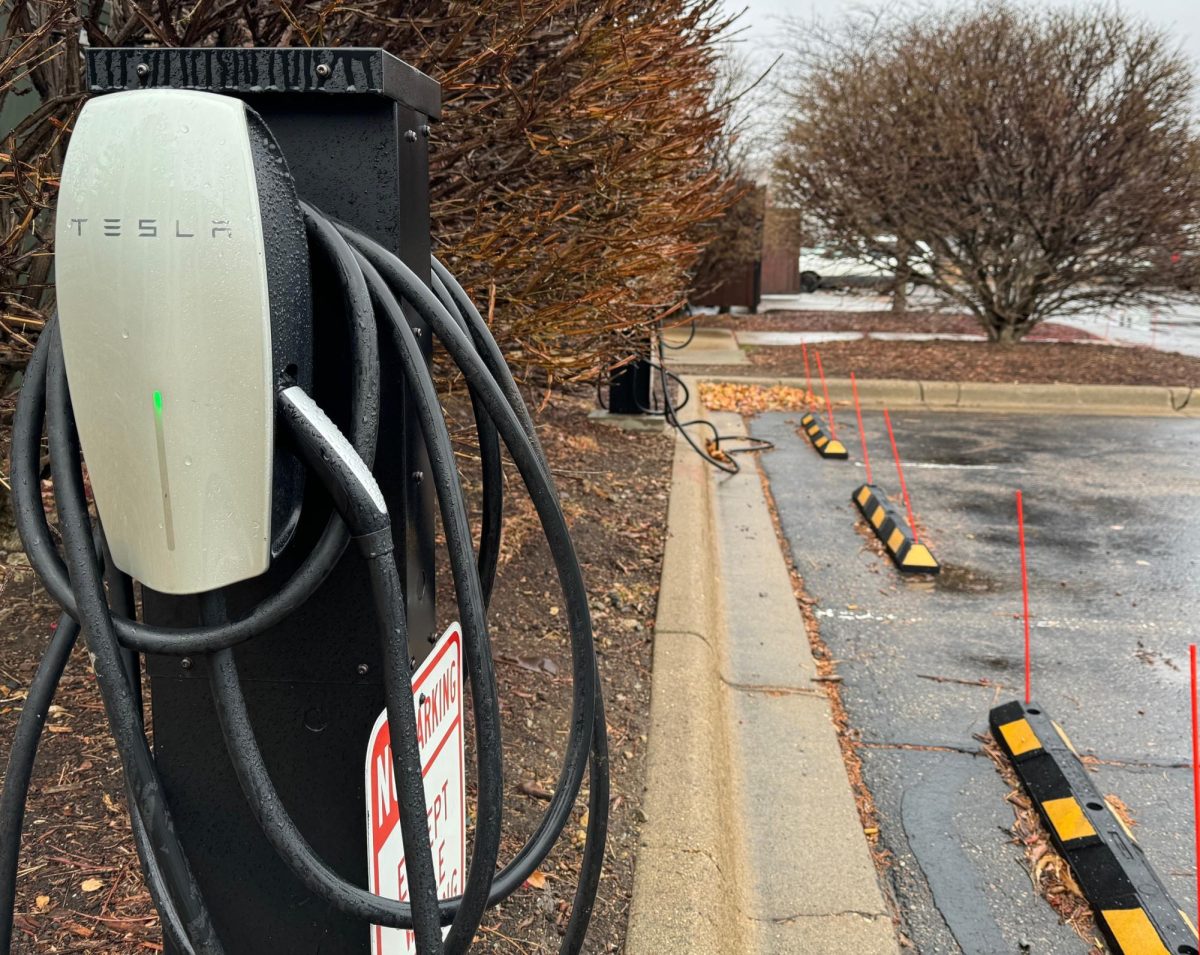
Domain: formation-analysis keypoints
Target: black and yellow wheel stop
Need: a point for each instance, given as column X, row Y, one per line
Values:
column 826, row 446
column 1133, row 908
column 909, row 556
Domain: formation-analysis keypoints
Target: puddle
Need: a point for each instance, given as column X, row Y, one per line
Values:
column 955, row 578
column 992, row 662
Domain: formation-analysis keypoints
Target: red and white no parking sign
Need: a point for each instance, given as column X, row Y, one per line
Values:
column 437, row 696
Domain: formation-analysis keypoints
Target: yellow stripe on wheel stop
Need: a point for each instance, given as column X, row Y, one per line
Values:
column 1020, row 737
column 1134, row 932
column 1068, row 819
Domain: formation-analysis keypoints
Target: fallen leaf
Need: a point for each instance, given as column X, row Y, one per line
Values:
column 533, row 789
column 91, row 885
column 537, row 664
column 536, row 880
column 127, row 925
column 1122, row 811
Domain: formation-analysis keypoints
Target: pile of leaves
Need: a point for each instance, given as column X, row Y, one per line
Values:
column 754, row 399
column 578, row 169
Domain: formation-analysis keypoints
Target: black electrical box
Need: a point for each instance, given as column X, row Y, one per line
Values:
column 630, row 389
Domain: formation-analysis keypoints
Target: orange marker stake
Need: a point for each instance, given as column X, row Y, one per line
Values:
column 861, row 433
column 1195, row 770
column 887, row 419
column 807, row 375
column 825, row 390
column 1024, row 587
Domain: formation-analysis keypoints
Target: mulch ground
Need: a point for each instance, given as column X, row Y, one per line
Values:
column 80, row 887
column 1024, row 363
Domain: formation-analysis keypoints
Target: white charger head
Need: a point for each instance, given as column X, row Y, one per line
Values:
column 179, row 247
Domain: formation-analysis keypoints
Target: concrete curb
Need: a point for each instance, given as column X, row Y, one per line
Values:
column 1141, row 400
column 685, row 867
column 752, row 841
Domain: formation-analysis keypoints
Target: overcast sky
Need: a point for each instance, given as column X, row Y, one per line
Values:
column 763, row 17
column 762, row 38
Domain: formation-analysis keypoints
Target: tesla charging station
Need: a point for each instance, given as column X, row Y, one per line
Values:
column 247, row 307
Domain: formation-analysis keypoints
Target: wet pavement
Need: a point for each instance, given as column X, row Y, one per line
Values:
column 1112, row 511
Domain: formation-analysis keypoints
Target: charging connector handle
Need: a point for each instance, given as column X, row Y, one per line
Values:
column 324, row 448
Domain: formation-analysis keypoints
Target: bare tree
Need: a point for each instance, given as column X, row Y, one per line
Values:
column 1022, row 162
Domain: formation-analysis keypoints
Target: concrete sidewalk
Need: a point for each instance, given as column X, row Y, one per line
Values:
column 694, row 345
column 752, row 841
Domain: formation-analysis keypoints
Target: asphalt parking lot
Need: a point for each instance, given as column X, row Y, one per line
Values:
column 1112, row 510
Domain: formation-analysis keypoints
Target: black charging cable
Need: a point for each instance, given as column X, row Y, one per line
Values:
column 687, row 310
column 720, row 457
column 372, row 284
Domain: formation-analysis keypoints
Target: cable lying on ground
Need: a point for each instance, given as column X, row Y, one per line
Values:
column 712, row 451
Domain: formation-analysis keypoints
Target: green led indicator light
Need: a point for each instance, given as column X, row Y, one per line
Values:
column 161, row 440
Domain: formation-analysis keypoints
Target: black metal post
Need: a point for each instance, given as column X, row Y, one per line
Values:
column 354, row 126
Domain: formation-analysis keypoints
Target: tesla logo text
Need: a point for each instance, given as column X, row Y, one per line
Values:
column 154, row 228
